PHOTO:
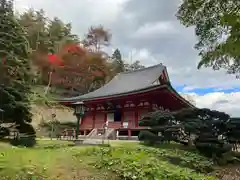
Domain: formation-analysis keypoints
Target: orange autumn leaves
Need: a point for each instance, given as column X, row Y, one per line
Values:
column 73, row 67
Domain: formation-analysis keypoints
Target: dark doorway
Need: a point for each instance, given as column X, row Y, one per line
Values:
column 117, row 115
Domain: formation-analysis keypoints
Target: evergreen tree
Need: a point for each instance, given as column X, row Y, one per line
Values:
column 209, row 130
column 15, row 70
column 233, row 132
column 117, row 61
column 134, row 66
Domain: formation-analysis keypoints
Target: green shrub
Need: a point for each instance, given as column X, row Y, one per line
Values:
column 27, row 141
column 4, row 132
column 149, row 138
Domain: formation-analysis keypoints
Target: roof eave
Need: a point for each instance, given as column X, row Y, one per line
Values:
column 114, row 95
column 170, row 88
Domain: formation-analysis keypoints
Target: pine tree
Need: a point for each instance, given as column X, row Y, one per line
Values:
column 117, row 61
column 14, row 70
column 207, row 126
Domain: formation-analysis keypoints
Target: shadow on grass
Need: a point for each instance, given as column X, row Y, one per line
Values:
column 172, row 146
column 56, row 146
column 5, row 140
column 188, row 157
column 23, row 141
column 195, row 166
column 32, row 143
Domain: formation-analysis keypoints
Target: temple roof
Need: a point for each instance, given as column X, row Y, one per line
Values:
column 125, row 82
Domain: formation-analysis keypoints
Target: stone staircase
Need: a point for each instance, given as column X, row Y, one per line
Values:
column 99, row 134
column 92, row 133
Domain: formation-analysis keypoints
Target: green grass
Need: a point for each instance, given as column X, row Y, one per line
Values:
column 52, row 160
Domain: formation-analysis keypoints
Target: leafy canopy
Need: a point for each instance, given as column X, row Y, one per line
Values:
column 217, row 26
column 212, row 132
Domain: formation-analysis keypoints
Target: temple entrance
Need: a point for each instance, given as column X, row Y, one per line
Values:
column 114, row 116
column 117, row 115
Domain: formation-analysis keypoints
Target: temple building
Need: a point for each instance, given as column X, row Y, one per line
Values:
column 125, row 99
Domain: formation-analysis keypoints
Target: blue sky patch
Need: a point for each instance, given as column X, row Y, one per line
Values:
column 202, row 91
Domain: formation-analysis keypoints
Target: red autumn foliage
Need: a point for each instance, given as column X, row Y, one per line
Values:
column 73, row 67
column 74, row 49
column 55, row 60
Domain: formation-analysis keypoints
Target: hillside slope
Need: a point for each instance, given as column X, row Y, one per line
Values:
column 42, row 108
column 43, row 113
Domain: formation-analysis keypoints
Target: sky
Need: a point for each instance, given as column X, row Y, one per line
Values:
column 150, row 32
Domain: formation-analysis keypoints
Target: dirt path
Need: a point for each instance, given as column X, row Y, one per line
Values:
column 229, row 173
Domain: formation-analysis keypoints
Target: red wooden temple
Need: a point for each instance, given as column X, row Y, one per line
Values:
column 125, row 99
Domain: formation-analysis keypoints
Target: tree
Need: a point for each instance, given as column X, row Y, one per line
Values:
column 163, row 128
column 83, row 72
column 217, row 26
column 75, row 69
column 60, row 37
column 134, row 66
column 96, row 38
column 205, row 125
column 45, row 36
column 15, row 76
column 118, row 63
column 233, row 132
column 58, row 60
column 35, row 25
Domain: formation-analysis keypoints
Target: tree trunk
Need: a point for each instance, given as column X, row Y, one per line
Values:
column 49, row 83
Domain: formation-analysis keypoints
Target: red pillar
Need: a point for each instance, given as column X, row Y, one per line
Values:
column 105, row 117
column 136, row 116
column 94, row 118
column 123, row 114
column 150, row 105
column 129, row 133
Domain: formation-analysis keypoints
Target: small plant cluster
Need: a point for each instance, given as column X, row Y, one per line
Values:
column 213, row 133
column 146, row 163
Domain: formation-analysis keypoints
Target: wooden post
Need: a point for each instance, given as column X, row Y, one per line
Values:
column 94, row 118
column 136, row 103
column 129, row 133
column 150, row 106
column 105, row 118
column 122, row 113
column 136, row 117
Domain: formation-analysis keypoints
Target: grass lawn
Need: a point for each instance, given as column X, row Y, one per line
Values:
column 57, row 160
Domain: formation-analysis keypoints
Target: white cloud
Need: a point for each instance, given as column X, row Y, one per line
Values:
column 226, row 102
column 142, row 55
column 188, row 88
column 152, row 30
column 82, row 14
